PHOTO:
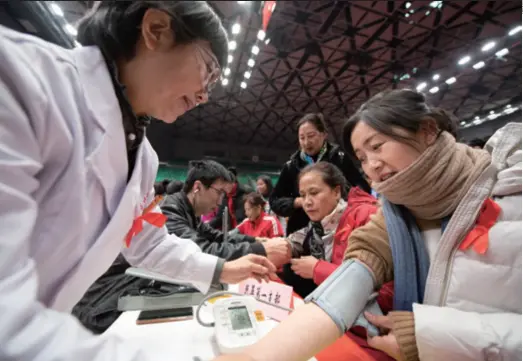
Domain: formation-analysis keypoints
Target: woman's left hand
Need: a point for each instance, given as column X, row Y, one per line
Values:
column 304, row 266
column 388, row 342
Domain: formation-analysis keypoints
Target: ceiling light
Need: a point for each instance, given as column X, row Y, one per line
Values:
column 57, row 9
column 227, row 71
column 236, row 28
column 479, row 65
column 464, row 60
column 450, row 80
column 435, row 4
column 267, row 41
column 435, row 77
column 229, row 59
column 225, row 81
column 247, row 74
column 493, row 116
column 421, row 86
column 407, row 5
column 243, row 85
column 491, row 112
column 516, row 30
column 250, row 63
column 412, row 11
column 476, row 118
column 255, row 50
column 70, row 29
column 463, row 123
column 407, row 15
column 488, row 46
column 427, row 13
column 242, row 2
column 232, row 45
column 434, row 90
column 508, row 106
column 502, row 52
column 476, row 122
column 261, row 34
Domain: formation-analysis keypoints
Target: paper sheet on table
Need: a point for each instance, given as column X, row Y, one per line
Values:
column 272, row 292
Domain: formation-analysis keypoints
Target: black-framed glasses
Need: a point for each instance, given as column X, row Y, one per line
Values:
column 221, row 193
column 212, row 68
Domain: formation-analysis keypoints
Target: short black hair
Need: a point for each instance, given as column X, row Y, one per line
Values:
column 207, row 172
column 402, row 108
column 114, row 26
column 233, row 170
column 167, row 187
column 330, row 174
column 316, row 119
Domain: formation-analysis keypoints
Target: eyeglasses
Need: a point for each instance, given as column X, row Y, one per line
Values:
column 221, row 193
column 212, row 68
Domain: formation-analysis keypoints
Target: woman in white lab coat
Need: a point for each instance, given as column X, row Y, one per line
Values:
column 77, row 173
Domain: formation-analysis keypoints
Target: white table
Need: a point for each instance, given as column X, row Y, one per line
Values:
column 181, row 340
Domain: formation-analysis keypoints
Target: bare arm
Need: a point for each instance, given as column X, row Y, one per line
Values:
column 304, row 343
column 334, row 307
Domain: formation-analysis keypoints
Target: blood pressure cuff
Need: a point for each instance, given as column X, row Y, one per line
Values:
column 346, row 294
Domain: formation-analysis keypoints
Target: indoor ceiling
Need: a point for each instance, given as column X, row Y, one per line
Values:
column 331, row 56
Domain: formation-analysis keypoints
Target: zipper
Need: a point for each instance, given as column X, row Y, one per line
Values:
column 446, row 283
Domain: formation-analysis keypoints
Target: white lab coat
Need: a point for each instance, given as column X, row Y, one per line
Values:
column 65, row 204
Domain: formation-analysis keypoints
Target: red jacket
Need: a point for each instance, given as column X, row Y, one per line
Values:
column 360, row 206
column 265, row 226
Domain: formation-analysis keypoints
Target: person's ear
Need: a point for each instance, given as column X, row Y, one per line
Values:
column 197, row 186
column 156, row 30
column 429, row 130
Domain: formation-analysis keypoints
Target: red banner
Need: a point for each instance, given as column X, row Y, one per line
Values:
column 268, row 8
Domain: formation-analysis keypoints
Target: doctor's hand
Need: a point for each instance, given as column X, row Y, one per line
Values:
column 249, row 266
column 278, row 251
column 388, row 342
column 304, row 266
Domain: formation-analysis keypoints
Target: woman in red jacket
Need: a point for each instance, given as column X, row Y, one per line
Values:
column 319, row 248
column 258, row 223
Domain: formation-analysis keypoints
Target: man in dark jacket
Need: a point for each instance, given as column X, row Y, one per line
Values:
column 285, row 199
column 206, row 185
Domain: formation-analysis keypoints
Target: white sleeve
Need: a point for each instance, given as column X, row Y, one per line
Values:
column 178, row 258
column 30, row 331
column 444, row 333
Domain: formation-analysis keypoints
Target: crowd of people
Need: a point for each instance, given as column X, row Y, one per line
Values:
column 432, row 225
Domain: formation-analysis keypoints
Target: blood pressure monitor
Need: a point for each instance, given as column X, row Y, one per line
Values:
column 235, row 323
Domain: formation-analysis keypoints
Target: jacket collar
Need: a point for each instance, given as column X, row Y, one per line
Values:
column 187, row 207
column 257, row 222
column 300, row 163
column 92, row 64
column 99, row 95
